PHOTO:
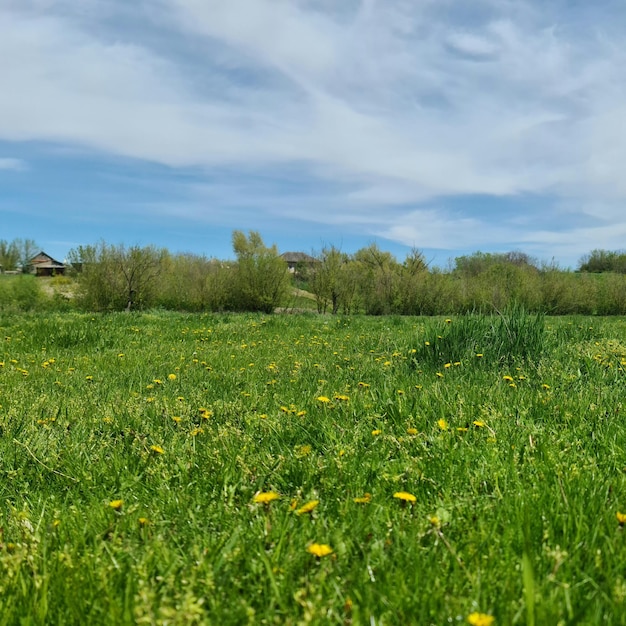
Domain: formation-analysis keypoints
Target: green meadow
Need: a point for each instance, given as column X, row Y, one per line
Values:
column 166, row 468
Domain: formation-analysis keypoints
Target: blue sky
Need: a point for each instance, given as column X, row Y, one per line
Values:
column 446, row 125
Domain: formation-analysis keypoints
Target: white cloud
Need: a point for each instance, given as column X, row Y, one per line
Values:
column 394, row 106
column 12, row 164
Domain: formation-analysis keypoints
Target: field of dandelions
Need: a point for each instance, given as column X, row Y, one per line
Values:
column 164, row 468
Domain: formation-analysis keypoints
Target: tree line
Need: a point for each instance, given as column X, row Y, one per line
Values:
column 106, row 277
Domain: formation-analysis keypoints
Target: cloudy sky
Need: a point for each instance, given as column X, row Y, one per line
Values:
column 447, row 125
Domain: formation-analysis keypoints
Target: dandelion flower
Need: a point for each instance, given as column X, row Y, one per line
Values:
column 143, row 521
column 308, row 507
column 116, row 504
column 435, row 521
column 438, row 374
column 323, row 399
column 157, row 449
column 411, row 431
column 171, row 377
column 265, row 497
column 507, row 378
column 364, row 499
column 442, row 424
column 621, row 518
column 405, row 496
column 341, row 396
column 319, row 549
column 376, row 432
column 479, row 423
column 480, row 619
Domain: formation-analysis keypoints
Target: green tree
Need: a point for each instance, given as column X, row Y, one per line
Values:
column 325, row 279
column 9, row 255
column 115, row 277
column 261, row 281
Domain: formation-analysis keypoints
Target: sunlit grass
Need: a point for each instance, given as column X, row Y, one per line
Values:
column 166, row 468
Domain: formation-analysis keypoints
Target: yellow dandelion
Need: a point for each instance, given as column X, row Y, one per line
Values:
column 508, row 378
column 411, row 431
column 157, row 449
column 116, row 504
column 308, row 507
column 438, row 374
column 363, row 385
column 341, row 396
column 323, row 399
column 171, row 377
column 319, row 549
column 364, row 499
column 177, row 419
column 376, row 432
column 544, row 386
column 143, row 521
column 404, row 496
column 435, row 521
column 300, row 413
column 448, row 365
column 480, row 619
column 479, row 423
column 88, row 377
column 621, row 518
column 265, row 497
column 442, row 424
column 479, row 355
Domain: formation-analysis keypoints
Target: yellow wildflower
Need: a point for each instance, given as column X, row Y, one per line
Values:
column 308, row 507
column 116, row 504
column 405, row 496
column 480, row 619
column 442, row 424
column 319, row 549
column 621, row 518
column 265, row 497
column 376, row 432
column 171, row 376
column 411, row 431
column 364, row 499
column 157, row 449
column 323, row 399
column 507, row 378
column 479, row 423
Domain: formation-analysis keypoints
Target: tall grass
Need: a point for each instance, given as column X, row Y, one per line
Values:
column 133, row 447
column 500, row 338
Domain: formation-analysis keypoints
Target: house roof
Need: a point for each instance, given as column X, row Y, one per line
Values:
column 298, row 257
column 45, row 260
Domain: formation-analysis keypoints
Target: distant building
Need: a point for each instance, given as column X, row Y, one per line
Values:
column 298, row 259
column 44, row 265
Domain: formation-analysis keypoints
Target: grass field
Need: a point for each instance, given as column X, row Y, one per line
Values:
column 229, row 469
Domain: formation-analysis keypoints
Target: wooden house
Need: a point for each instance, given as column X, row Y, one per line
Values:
column 43, row 264
column 296, row 260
